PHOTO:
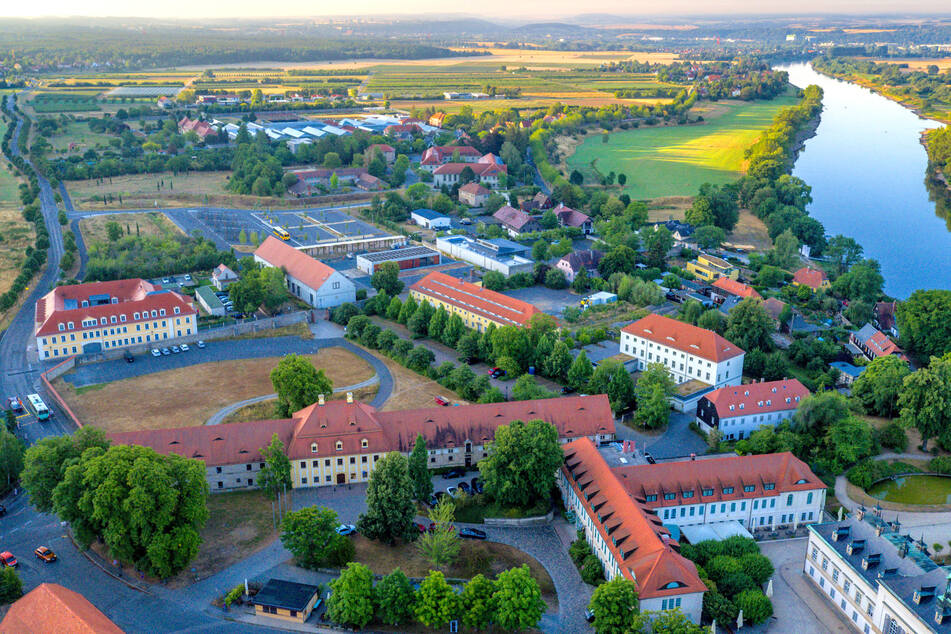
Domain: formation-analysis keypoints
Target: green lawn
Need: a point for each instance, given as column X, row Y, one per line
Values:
column 676, row 160
column 9, row 185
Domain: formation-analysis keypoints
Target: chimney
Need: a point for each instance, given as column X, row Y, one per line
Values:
column 693, row 456
column 320, row 400
column 350, row 397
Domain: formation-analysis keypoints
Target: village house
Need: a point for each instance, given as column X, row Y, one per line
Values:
column 473, row 194
column 370, row 183
column 516, row 222
column 385, row 151
column 815, row 279
column 437, row 119
column 308, row 279
column 682, row 232
column 568, row 217
column 884, row 317
column 572, row 263
column 873, row 343
column 448, row 174
column 737, row 411
column 202, row 128
column 223, row 277
column 478, row 306
column 438, row 155
column 541, row 200
column 401, row 131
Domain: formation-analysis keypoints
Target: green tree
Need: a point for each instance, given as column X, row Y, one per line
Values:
column 653, row 389
column 709, row 237
column 555, row 278
column 526, row 388
column 45, row 462
column 863, row 282
column 275, row 474
column 390, row 508
column 438, row 323
column 670, row 622
column 11, row 588
column 407, row 310
column 925, row 401
column 582, row 282
column 558, row 363
column 386, row 277
column 419, row 359
column 332, row 160
column 518, row 599
column 614, row 605
column 419, row 322
column 419, row 471
column 352, row 600
column 454, row 329
column 11, row 459
column 468, row 346
column 298, row 384
column 785, row 251
column 393, row 310
column 847, row 441
column 924, row 320
column 436, row 601
column 620, row 259
column 749, row 326
column 540, row 250
column 477, row 602
column 310, row 534
column 521, row 465
column 757, row 566
column 713, row 320
column 878, row 387
column 756, row 606
column 394, row 598
column 113, row 231
column 580, row 371
column 441, row 546
column 817, row 412
column 657, row 243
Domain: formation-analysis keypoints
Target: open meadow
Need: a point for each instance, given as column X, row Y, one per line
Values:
column 16, row 234
column 676, row 160
column 93, row 228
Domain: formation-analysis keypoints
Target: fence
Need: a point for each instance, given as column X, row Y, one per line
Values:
column 54, row 372
column 538, row 520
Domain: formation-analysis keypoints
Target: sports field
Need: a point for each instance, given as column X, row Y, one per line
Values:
column 676, row 160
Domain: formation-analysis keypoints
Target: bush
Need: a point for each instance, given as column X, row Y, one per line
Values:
column 735, row 583
column 757, row 566
column 579, row 550
column 756, row 606
column 892, row 436
column 361, row 293
column 234, row 594
column 716, row 606
column 723, row 566
column 737, row 546
column 941, row 464
column 868, row 472
column 592, row 572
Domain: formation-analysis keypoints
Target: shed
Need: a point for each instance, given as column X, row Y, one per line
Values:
column 209, row 301
column 602, row 297
column 287, row 600
column 430, row 219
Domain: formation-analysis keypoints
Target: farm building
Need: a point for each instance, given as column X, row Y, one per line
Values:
column 308, row 279
column 408, row 258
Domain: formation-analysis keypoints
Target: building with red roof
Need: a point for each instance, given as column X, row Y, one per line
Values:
column 568, row 217
column 401, row 131
column 308, row 279
column 50, row 608
column 202, row 128
column 873, row 343
column 473, row 194
column 725, row 287
column 688, row 352
column 515, row 221
column 338, row 442
column 478, row 306
column 737, row 411
column 449, row 173
column 438, row 155
column 90, row 318
column 386, row 151
column 813, row 278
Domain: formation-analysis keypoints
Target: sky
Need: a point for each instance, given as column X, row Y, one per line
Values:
column 535, row 10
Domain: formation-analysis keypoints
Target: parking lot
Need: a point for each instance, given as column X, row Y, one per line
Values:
column 548, row 300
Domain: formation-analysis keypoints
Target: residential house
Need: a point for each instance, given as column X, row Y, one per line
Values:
column 574, row 262
column 401, row 131
column 370, row 183
column 449, row 174
column 478, row 306
column 774, row 308
column 223, row 277
column 338, row 442
column 89, row 318
column 385, row 151
column 689, row 353
column 541, row 200
column 725, row 287
column 682, row 232
column 438, row 155
column 568, row 217
column 737, row 411
column 873, row 343
column 430, row 219
column 49, row 608
column 813, row 278
column 496, row 254
column 308, row 279
column 202, row 128
column 884, row 318
column 437, row 119
column 710, row 267
column 847, row 372
column 877, row 578
column 473, row 194
column 286, row 600
column 515, row 221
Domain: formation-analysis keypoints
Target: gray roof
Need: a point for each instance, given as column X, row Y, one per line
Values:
column 428, row 214
column 866, row 332
column 398, row 254
column 289, row 595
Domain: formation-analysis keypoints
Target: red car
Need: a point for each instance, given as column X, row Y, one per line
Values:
column 7, row 558
column 419, row 527
column 432, row 527
column 441, row 401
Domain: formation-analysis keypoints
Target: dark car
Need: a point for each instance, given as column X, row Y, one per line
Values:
column 589, row 616
column 464, row 486
column 477, row 485
column 433, row 501
column 456, row 472
column 128, row 357
column 567, row 389
column 650, row 458
column 471, row 533
column 432, row 527
column 498, row 373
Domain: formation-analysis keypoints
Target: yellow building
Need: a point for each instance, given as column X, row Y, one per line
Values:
column 710, row 268
column 286, row 600
column 90, row 318
column 477, row 306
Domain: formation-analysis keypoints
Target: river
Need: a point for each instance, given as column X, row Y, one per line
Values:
column 866, row 167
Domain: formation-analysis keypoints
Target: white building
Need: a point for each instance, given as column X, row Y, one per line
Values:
column 738, row 411
column 308, row 279
column 430, row 219
column 688, row 352
column 880, row 580
column 498, row 254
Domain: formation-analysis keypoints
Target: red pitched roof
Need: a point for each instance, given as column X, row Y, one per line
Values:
column 758, row 398
column 279, row 254
column 479, row 169
column 494, row 306
column 512, row 217
column 773, row 306
column 733, row 287
column 64, row 304
column 473, row 188
column 52, row 609
column 688, row 338
column 808, row 276
column 635, row 537
column 570, row 217
column 443, row 153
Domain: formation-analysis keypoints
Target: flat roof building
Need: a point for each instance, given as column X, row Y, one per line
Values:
column 408, row 258
column 478, row 306
column 503, row 256
column 287, row 600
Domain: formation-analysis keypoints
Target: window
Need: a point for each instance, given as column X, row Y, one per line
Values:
column 732, row 507
column 303, row 464
column 670, row 496
column 789, row 499
column 835, row 574
column 727, row 490
column 809, row 498
column 651, row 498
column 847, row 585
column 687, row 494
column 815, row 553
column 313, row 448
column 364, row 443
column 247, row 467
column 707, row 492
column 339, row 446
column 748, row 489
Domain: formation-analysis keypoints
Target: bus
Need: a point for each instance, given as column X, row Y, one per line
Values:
column 42, row 411
column 281, row 233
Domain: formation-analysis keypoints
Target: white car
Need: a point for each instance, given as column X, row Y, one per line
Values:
column 200, row 344
column 452, row 491
column 156, row 352
column 14, row 403
column 346, row 529
column 184, row 347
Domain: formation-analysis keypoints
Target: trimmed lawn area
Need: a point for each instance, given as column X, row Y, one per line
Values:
column 150, row 224
column 193, row 393
column 676, row 160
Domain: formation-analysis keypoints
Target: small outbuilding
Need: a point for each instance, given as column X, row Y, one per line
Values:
column 286, row 600
column 209, row 301
column 430, row 219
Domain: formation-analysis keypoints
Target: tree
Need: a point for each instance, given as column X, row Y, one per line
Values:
column 582, row 282
column 394, row 598
column 419, row 359
column 275, row 475
column 390, row 508
column 419, row 471
column 113, row 231
column 749, row 326
column 657, row 242
column 436, row 601
column 407, row 310
column 580, row 371
column 712, row 319
column 757, row 566
column 785, row 251
column 526, row 388
column 614, row 605
column 862, row 282
column 620, row 259
column 518, row 599
column 11, row 459
column 352, row 599
column 700, row 212
column 540, row 250
column 576, row 178
column 670, row 622
column 756, row 606
column 386, row 277
column 298, row 384
column 843, row 251
column 310, row 534
column 557, row 364
column 468, row 346
column 478, row 604
column 11, row 587
column 454, row 329
column 817, row 412
column 924, row 320
column 332, row 160
column 521, row 466
column 709, row 237
column 653, row 389
column 419, row 322
column 441, row 545
column 847, row 441
column 716, row 606
column 925, row 401
column 45, row 462
column 878, row 387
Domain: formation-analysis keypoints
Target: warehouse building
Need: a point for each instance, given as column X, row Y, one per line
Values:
column 408, row 258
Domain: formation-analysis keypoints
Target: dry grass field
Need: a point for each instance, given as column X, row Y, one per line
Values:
column 668, row 208
column 265, row 409
column 917, row 63
column 186, row 397
column 750, row 233
column 150, row 224
column 412, row 390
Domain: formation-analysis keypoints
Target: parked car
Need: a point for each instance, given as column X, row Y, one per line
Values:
column 8, row 560
column 165, row 280
column 419, row 527
column 432, row 527
column 441, row 401
column 188, row 277
column 176, row 349
column 472, row 533
column 3, row 509
column 166, row 352
column 45, row 554
column 496, row 373
column 156, row 352
column 455, row 472
column 128, row 357
column 346, row 529
column 466, row 221
column 477, row 485
column 14, row 403
column 200, row 344
column 588, row 615
column 185, row 347
column 451, row 491
column 650, row 458
column 465, row 488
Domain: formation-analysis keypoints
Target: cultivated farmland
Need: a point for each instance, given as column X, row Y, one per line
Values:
column 676, row 160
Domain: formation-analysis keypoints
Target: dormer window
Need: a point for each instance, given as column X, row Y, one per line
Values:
column 162, row 312
column 177, row 310
column 313, row 447
column 122, row 318
column 364, row 443
column 707, row 492
column 70, row 325
column 741, row 405
column 727, row 490
column 114, row 300
column 102, row 321
column 61, row 327
column 154, row 313
column 670, row 496
column 113, row 319
column 339, row 445
column 687, row 494
column 135, row 316
column 732, row 407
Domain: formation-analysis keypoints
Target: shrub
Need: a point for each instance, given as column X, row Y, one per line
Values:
column 868, row 472
column 579, row 550
column 735, row 583
column 722, row 566
column 737, row 546
column 592, row 572
column 716, row 606
column 756, row 606
column 941, row 464
column 757, row 566
column 234, row 594
column 892, row 436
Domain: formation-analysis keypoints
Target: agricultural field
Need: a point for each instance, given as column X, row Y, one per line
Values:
column 675, row 160
column 943, row 64
column 93, row 229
